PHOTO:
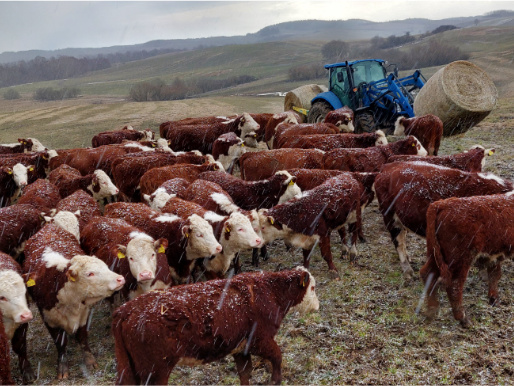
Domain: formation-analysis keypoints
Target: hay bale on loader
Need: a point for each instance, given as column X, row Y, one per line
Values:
column 301, row 97
column 461, row 94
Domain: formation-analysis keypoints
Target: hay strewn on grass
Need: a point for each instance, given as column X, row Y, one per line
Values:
column 461, row 94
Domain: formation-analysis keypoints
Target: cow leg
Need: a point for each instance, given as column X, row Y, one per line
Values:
column 494, row 272
column 255, row 257
column 399, row 236
column 324, row 245
column 353, row 228
column 454, row 291
column 19, row 346
column 430, row 275
column 268, row 349
column 60, row 339
column 244, row 367
column 264, row 253
column 237, row 264
column 344, row 247
column 89, row 358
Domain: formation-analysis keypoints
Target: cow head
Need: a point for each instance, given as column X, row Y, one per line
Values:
column 102, row 186
column 13, row 300
column 412, row 146
column 381, row 138
column 291, row 189
column 37, row 146
column 270, row 228
column 201, row 241
column 26, row 144
column 148, row 135
column 399, row 128
column 21, row 174
column 158, row 199
column 239, row 233
column 247, row 125
column 487, row 152
column 309, row 301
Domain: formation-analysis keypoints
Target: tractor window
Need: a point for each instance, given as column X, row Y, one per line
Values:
column 339, row 85
column 369, row 71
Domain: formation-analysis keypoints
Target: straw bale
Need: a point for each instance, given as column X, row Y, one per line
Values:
column 461, row 94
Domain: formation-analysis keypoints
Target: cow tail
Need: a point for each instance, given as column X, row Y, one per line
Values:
column 433, row 247
column 125, row 366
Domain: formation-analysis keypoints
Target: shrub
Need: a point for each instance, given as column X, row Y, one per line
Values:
column 11, row 94
column 49, row 94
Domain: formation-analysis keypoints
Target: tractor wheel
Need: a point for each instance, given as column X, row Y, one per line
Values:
column 318, row 111
column 364, row 123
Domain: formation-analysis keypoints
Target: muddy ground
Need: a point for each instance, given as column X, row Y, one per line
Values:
column 368, row 329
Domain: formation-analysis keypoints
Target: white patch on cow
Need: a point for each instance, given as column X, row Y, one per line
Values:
column 148, row 135
column 139, row 146
column 107, row 188
column 167, row 217
column 490, row 176
column 20, row 175
column 291, row 191
column 299, row 240
column 225, row 204
column 52, row 154
column 399, row 129
column 93, row 281
column 14, row 308
column 129, row 127
column 202, row 242
column 508, row 194
column 140, row 235
column 310, row 301
column 248, row 126
column 213, row 217
column 67, row 221
column 234, row 152
column 162, row 143
column 158, row 199
column 381, row 138
column 54, row 259
column 10, row 144
column 38, row 146
column 142, row 258
column 421, row 150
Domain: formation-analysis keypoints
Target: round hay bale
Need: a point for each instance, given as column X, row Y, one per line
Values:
column 461, row 94
column 302, row 96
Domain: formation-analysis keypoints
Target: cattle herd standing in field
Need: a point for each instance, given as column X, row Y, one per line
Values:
column 156, row 225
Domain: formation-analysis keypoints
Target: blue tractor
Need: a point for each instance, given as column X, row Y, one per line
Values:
column 376, row 98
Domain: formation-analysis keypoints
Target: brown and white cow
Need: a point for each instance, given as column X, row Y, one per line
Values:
column 39, row 160
column 204, row 322
column 17, row 223
column 269, row 123
column 263, row 164
column 472, row 160
column 327, row 142
column 13, row 181
column 310, row 218
column 5, row 359
column 370, row 159
column 405, row 190
column 342, row 118
column 118, row 136
column 168, row 189
column 42, row 195
column 188, row 239
column 80, row 202
column 23, row 146
column 170, row 125
column 69, row 180
column 65, row 283
column 460, row 232
column 227, row 149
column 427, row 128
column 15, row 312
column 127, row 250
column 288, row 130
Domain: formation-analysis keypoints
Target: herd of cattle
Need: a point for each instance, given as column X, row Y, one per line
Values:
column 135, row 220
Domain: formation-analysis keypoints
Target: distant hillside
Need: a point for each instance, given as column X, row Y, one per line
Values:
column 314, row 30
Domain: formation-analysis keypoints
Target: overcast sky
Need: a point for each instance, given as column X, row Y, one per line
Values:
column 52, row 25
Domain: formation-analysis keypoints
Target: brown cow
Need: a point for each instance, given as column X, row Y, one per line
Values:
column 14, row 313
column 154, row 177
column 327, row 142
column 204, row 322
column 472, row 160
column 65, row 283
column 118, row 136
column 39, row 160
column 427, row 128
column 260, row 165
column 405, row 190
column 82, row 202
column 227, row 149
column 312, row 217
column 168, row 189
column 461, row 231
column 23, row 146
column 370, row 159
column 269, row 122
column 170, row 125
column 42, row 195
column 342, row 118
column 5, row 359
column 288, row 130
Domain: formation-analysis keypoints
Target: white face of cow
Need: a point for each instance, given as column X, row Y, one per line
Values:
column 421, row 150
column 20, row 175
column 240, row 232
column 248, row 125
column 107, row 188
column 310, row 300
column 268, row 230
column 399, row 129
column 381, row 138
column 67, row 221
column 92, row 278
column 141, row 252
column 346, row 127
column 158, row 199
column 202, row 242
column 292, row 189
column 13, row 300
column 148, row 135
column 37, row 146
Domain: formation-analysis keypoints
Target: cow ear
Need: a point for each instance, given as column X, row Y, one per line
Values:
column 161, row 245
column 121, row 251
column 72, row 276
column 9, row 171
column 304, row 279
column 227, row 228
column 185, row 231
column 48, row 219
column 490, row 152
column 29, row 279
column 77, row 213
column 271, row 220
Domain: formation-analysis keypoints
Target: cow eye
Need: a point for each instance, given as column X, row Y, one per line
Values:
column 90, row 274
column 3, row 298
column 199, row 235
column 131, row 259
column 240, row 230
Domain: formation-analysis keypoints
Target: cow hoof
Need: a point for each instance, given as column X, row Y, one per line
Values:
column 465, row 322
column 63, row 371
column 408, row 275
column 334, row 275
column 265, row 257
column 28, row 376
column 353, row 257
column 493, row 301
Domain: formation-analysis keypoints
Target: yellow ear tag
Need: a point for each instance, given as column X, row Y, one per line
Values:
column 31, row 283
column 227, row 230
column 271, row 221
column 242, row 144
column 413, row 144
column 121, row 255
column 161, row 249
column 187, row 234
column 30, row 169
column 9, row 172
column 72, row 278
column 291, row 182
column 491, row 152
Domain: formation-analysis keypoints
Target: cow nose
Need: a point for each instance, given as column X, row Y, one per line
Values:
column 258, row 241
column 23, row 184
column 145, row 275
column 120, row 280
column 219, row 248
column 25, row 317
